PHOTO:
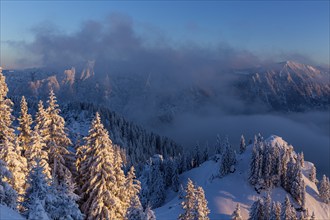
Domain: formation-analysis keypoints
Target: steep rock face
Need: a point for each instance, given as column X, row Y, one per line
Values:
column 287, row 86
column 88, row 71
column 69, row 78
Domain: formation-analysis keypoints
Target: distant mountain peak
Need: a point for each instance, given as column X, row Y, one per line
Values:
column 290, row 66
column 295, row 65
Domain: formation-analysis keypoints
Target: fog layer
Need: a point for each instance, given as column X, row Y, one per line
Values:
column 307, row 132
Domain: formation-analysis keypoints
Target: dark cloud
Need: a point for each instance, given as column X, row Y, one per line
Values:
column 115, row 41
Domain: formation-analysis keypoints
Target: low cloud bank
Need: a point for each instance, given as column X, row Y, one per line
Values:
column 307, row 132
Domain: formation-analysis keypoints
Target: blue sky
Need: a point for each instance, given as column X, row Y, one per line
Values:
column 263, row 27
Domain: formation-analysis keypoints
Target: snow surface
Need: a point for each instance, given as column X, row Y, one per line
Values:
column 223, row 194
column 9, row 214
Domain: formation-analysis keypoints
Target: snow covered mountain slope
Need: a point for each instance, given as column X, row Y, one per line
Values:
column 9, row 214
column 224, row 193
column 287, row 86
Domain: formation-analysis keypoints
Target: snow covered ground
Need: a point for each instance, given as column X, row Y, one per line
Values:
column 9, row 214
column 223, row 194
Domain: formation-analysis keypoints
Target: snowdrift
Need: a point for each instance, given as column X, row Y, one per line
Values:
column 9, row 214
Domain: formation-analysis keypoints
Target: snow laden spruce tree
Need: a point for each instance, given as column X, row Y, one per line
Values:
column 324, row 189
column 24, row 128
column 194, row 204
column 135, row 209
column 297, row 189
column 44, row 200
column 257, row 211
column 6, row 119
column 40, row 120
column 228, row 159
column 106, row 192
column 288, row 211
column 153, row 191
column 133, row 187
column 276, row 211
column 312, row 174
column 242, row 145
column 9, row 148
column 8, row 196
column 11, row 155
column 35, row 197
column 52, row 129
column 36, row 148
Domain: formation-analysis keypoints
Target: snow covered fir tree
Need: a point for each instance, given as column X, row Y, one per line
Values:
column 79, row 161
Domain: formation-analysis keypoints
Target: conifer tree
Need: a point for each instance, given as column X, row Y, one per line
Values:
column 218, row 145
column 255, row 162
column 206, row 153
column 121, row 182
column 195, row 204
column 285, row 157
column 149, row 214
column 324, row 189
column 288, row 211
column 36, row 193
column 197, row 156
column 242, row 146
column 16, row 164
column 182, row 192
column 300, row 159
column 276, row 211
column 36, row 149
column 237, row 213
column 256, row 211
column 132, row 190
column 100, row 198
column 304, row 215
column 175, row 180
column 8, row 196
column 81, row 157
column 54, row 134
column 313, row 216
column 290, row 174
column 188, row 204
column 312, row 174
column 298, row 190
column 227, row 162
column 156, row 186
column 135, row 211
column 40, row 120
column 25, row 121
column 168, row 172
column 37, row 211
column 267, row 206
column 65, row 201
column 276, row 166
column 202, row 209
column 9, row 149
column 6, row 119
